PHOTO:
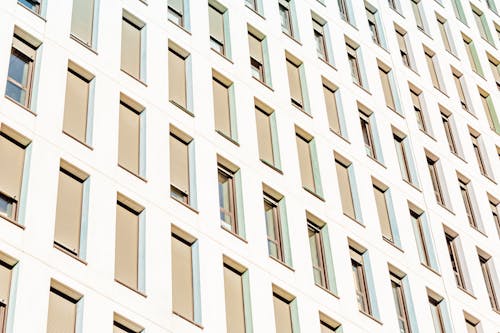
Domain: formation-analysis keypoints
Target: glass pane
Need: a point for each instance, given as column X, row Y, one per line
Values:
column 222, row 108
column 76, row 106
column 216, row 20
column 182, row 278
column 19, row 68
column 127, row 247
column 345, row 190
column 62, row 314
column 264, row 136
column 177, row 79
column 82, row 20
column 179, row 165
column 235, row 311
column 383, row 213
column 131, row 49
column 16, row 93
column 386, row 86
column 255, row 48
column 69, row 212
column 294, row 83
column 282, row 316
column 129, row 139
column 331, row 109
column 305, row 163
column 5, row 278
column 11, row 168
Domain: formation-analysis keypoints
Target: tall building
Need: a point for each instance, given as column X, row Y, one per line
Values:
column 249, row 166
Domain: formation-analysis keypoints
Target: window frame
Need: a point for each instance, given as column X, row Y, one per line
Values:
column 360, row 281
column 456, row 265
column 489, row 282
column 397, row 285
column 188, row 195
column 140, row 26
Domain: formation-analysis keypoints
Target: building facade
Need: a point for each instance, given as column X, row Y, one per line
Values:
column 250, row 166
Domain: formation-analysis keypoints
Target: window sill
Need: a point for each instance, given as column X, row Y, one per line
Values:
column 82, row 43
column 14, row 222
column 479, row 230
column 388, row 241
column 349, row 23
column 327, row 291
column 263, row 83
column 292, row 38
column 445, row 207
column 327, row 63
column 131, row 288
column 376, row 161
column 490, row 179
column 181, row 27
column 20, row 105
column 301, row 109
column 185, row 205
column 412, row 185
column 234, row 234
column 68, row 253
column 431, row 269
column 178, row 106
column 133, row 77
column 222, row 55
column 371, row 317
column 132, row 173
column 467, row 292
column 271, row 166
column 354, row 219
column 428, row 135
column 77, row 140
column 228, row 138
column 359, row 85
column 282, row 263
column 340, row 136
column 459, row 157
column 256, row 12
column 34, row 13
column 314, row 194
column 188, row 320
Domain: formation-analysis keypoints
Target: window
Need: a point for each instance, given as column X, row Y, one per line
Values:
column 185, row 282
column 346, row 191
column 451, row 243
column 387, row 86
column 393, row 4
column 458, row 78
column 317, row 254
column 352, row 57
column 481, row 161
column 368, row 137
column 180, row 186
column 234, row 293
column 360, row 284
column 417, row 12
column 177, row 78
column 33, row 5
column 445, row 33
column 403, row 158
column 419, row 112
column 436, row 184
column 82, row 21
column 345, row 11
column 130, row 137
column 122, row 325
column 225, row 122
column 491, row 5
column 420, row 237
column 252, row 4
column 437, row 314
column 176, row 12
column 128, row 244
column 400, row 302
column 6, row 267
column 495, row 215
column 433, row 66
column 276, row 226
column 286, row 17
column 459, row 11
column 267, row 137
column 228, row 192
column 472, row 55
column 403, row 48
column 332, row 110
column 295, row 76
column 257, row 60
column 21, row 71
column 321, row 43
column 284, row 313
column 132, row 48
column 11, row 175
column 495, row 70
column 373, row 25
column 482, row 24
column 448, row 130
column 309, row 172
column 77, row 103
column 70, row 209
column 217, row 29
column 328, row 325
column 487, row 267
column 489, row 110
column 384, row 214
column 63, row 309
